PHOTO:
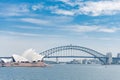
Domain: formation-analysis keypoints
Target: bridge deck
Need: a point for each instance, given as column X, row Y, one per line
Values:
column 73, row 57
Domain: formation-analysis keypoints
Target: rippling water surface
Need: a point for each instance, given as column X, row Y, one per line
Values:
column 61, row 72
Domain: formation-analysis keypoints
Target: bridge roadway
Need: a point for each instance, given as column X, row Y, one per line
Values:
column 70, row 57
column 73, row 57
column 64, row 57
column 114, row 58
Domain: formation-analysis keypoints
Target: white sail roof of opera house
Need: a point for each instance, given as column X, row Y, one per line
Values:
column 31, row 55
column 6, row 60
column 18, row 58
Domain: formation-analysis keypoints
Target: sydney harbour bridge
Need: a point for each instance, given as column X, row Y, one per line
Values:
column 73, row 51
column 57, row 52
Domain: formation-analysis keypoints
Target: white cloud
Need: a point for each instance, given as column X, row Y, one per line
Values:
column 28, row 27
column 108, row 30
column 36, row 21
column 37, row 7
column 109, row 39
column 80, row 28
column 60, row 19
column 64, row 12
column 71, row 2
column 94, row 8
column 13, row 33
column 13, row 10
column 106, row 38
column 100, row 8
column 52, row 21
column 90, row 28
column 19, row 34
column 86, row 28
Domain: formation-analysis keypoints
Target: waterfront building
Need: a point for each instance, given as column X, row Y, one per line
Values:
column 84, row 61
column 32, row 55
column 74, row 61
column 3, row 60
column 18, row 58
column 28, row 56
column 28, row 59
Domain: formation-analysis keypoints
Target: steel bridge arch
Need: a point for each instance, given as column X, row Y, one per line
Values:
column 92, row 52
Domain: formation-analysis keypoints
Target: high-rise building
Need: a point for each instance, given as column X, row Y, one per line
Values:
column 118, row 58
column 118, row 55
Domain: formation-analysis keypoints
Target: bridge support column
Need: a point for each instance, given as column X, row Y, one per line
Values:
column 109, row 58
column 57, row 60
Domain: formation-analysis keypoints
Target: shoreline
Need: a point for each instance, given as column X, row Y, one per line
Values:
column 20, row 64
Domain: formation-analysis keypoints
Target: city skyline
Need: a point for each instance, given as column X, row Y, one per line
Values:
column 46, row 24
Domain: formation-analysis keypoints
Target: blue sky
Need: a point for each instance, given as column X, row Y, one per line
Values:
column 43, row 24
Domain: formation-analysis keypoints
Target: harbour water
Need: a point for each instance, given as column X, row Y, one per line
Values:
column 62, row 72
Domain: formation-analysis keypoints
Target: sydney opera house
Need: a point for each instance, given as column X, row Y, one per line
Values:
column 28, row 59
